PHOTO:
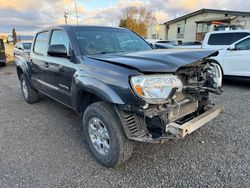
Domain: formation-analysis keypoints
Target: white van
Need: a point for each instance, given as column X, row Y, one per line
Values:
column 223, row 39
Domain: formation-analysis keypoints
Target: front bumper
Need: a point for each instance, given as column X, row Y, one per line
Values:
column 180, row 131
column 172, row 131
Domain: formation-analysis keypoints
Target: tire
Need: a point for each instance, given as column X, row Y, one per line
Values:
column 30, row 94
column 120, row 148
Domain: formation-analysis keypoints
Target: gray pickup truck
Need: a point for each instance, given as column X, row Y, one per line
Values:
column 124, row 90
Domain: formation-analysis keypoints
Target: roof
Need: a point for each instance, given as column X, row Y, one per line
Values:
column 86, row 26
column 236, row 13
column 68, row 27
column 231, row 31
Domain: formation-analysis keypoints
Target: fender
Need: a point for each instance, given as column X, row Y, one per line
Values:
column 96, row 87
column 22, row 64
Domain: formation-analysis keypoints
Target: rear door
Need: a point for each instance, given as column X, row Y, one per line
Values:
column 237, row 62
column 59, row 72
column 38, row 59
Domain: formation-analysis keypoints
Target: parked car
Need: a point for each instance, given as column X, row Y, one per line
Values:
column 191, row 44
column 2, row 53
column 124, row 90
column 223, row 39
column 22, row 48
column 157, row 45
column 235, row 60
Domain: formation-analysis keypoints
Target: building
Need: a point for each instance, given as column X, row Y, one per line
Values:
column 194, row 26
column 157, row 31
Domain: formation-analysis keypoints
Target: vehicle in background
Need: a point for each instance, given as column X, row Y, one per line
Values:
column 156, row 44
column 2, row 53
column 223, row 39
column 225, row 27
column 22, row 49
column 235, row 60
column 162, row 46
column 167, row 44
column 170, row 42
column 193, row 44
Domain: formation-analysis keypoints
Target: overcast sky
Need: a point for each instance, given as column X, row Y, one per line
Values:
column 28, row 16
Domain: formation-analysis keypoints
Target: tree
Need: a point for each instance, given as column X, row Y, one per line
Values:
column 137, row 19
column 14, row 36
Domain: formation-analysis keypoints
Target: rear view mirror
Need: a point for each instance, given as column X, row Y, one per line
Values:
column 57, row 50
column 232, row 47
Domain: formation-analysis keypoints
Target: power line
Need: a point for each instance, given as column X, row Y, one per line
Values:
column 76, row 12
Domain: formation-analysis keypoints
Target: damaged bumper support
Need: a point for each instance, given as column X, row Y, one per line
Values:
column 180, row 131
column 135, row 127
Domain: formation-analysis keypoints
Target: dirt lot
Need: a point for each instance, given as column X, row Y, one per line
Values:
column 41, row 145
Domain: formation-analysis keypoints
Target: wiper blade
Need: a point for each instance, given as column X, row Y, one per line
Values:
column 110, row 52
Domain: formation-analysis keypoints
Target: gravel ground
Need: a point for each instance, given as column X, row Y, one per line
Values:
column 42, row 145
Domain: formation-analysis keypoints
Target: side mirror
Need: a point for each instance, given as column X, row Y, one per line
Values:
column 20, row 48
column 57, row 50
column 232, row 47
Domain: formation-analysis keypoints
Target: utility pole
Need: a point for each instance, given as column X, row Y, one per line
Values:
column 76, row 13
column 65, row 17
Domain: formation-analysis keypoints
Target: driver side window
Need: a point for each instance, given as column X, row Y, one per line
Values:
column 243, row 45
column 60, row 37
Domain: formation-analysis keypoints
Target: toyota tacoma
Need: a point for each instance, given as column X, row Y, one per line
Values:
column 124, row 90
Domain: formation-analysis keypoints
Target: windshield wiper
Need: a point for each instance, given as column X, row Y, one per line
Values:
column 111, row 52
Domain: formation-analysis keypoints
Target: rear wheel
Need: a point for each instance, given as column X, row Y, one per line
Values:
column 30, row 94
column 104, row 135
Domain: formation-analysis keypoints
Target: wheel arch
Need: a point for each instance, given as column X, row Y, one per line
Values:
column 88, row 91
column 216, row 62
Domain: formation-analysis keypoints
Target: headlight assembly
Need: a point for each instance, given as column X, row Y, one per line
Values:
column 155, row 89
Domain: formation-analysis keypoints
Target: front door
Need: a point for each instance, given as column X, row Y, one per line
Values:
column 59, row 73
column 237, row 62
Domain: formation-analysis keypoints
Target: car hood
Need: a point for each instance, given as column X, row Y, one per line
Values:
column 155, row 60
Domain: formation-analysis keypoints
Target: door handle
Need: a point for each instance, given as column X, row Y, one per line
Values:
column 46, row 65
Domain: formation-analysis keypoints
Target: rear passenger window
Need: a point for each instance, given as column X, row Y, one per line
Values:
column 220, row 39
column 41, row 43
column 238, row 36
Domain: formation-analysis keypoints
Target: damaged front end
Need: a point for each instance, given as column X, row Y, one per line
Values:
column 185, row 109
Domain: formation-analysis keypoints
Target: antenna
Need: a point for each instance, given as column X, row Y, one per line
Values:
column 65, row 17
column 76, row 12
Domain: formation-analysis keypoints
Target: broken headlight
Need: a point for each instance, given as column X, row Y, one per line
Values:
column 156, row 89
column 215, row 75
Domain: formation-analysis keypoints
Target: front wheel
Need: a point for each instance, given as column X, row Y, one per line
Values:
column 104, row 135
column 30, row 94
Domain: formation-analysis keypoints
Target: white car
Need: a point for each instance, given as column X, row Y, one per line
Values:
column 235, row 60
column 159, row 44
column 22, row 48
column 223, row 39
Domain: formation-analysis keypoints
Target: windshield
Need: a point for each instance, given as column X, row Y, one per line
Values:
column 26, row 46
column 95, row 41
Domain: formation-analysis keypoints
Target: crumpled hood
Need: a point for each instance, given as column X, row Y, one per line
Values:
column 161, row 60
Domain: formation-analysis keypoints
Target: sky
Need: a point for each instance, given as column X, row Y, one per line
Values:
column 28, row 16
